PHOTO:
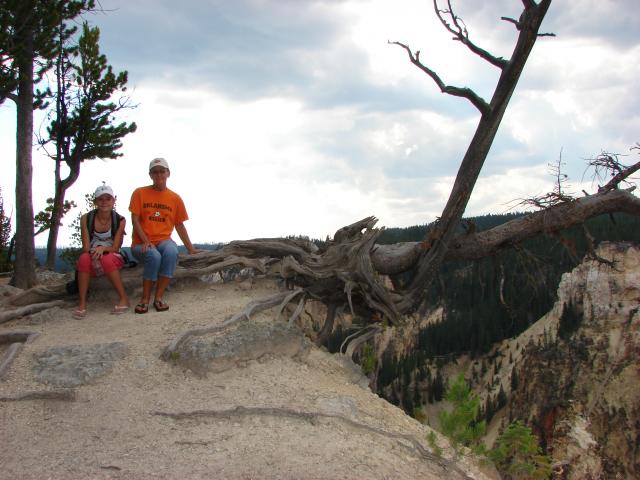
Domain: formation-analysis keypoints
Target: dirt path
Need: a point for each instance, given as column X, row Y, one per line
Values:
column 273, row 418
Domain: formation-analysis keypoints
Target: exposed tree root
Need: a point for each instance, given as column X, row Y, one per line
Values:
column 313, row 418
column 65, row 395
column 28, row 310
column 252, row 308
column 352, row 342
column 16, row 341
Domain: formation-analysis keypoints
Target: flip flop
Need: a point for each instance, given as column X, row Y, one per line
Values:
column 160, row 306
column 142, row 308
column 79, row 313
column 119, row 309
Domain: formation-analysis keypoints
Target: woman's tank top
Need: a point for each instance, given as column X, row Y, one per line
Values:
column 102, row 239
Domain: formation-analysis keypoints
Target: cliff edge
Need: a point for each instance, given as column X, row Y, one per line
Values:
column 91, row 398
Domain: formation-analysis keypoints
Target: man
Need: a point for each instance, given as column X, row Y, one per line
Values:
column 155, row 212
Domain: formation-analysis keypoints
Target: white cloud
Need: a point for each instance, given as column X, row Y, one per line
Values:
column 287, row 117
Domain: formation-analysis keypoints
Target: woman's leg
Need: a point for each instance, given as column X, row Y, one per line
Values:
column 84, row 269
column 111, row 264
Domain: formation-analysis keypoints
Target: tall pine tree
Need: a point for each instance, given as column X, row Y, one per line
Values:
column 83, row 125
column 29, row 32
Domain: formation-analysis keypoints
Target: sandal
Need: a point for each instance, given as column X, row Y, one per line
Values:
column 142, row 308
column 79, row 313
column 119, row 309
column 160, row 306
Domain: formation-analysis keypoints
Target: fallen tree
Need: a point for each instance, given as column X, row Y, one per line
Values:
column 347, row 273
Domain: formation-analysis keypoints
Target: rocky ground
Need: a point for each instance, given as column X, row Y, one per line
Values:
column 91, row 398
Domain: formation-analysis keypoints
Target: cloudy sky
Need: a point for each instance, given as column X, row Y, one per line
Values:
column 282, row 117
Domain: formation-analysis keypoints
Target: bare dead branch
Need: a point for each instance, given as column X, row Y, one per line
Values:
column 511, row 20
column 327, row 327
column 608, row 165
column 461, row 34
column 355, row 343
column 285, row 301
column 467, row 93
column 558, row 195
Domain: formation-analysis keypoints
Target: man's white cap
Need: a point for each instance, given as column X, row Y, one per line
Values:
column 158, row 162
column 103, row 190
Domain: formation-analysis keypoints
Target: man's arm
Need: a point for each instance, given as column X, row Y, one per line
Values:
column 184, row 236
column 135, row 221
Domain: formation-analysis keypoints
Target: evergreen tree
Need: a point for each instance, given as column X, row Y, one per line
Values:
column 5, row 235
column 570, row 320
column 29, row 30
column 517, row 454
column 83, row 120
column 514, row 380
column 462, row 424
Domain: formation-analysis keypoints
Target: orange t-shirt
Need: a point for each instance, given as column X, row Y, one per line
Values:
column 159, row 213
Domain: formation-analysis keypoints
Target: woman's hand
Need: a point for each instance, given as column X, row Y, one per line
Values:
column 97, row 252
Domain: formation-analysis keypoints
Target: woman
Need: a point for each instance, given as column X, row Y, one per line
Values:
column 102, row 230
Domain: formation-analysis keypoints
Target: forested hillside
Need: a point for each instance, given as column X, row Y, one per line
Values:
column 486, row 301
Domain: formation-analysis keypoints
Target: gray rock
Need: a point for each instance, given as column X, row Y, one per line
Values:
column 248, row 341
column 343, row 406
column 76, row 364
column 47, row 315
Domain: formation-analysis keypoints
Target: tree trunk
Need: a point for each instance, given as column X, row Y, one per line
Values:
column 439, row 238
column 24, row 271
column 56, row 217
column 59, row 188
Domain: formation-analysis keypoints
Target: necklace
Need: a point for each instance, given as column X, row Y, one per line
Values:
column 103, row 222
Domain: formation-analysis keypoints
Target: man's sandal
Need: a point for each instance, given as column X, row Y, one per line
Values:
column 160, row 306
column 79, row 313
column 142, row 308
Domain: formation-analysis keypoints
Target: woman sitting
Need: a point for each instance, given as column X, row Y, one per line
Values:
column 102, row 230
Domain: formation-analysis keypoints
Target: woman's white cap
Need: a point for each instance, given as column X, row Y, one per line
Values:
column 103, row 190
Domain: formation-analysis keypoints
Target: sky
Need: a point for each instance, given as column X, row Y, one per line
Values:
column 297, row 117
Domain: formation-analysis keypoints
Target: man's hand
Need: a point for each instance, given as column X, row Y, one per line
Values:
column 147, row 246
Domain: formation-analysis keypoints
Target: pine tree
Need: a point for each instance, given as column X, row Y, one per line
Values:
column 462, row 424
column 83, row 125
column 5, row 236
column 517, row 453
column 28, row 46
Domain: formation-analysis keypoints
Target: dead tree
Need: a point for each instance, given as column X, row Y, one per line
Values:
column 348, row 271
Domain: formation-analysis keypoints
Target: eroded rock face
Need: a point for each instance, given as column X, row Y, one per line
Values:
column 235, row 346
column 581, row 388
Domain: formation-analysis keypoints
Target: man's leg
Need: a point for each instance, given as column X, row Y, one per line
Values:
column 163, row 283
column 169, row 252
column 151, row 260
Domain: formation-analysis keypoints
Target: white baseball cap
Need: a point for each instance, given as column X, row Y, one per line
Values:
column 158, row 162
column 103, row 190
